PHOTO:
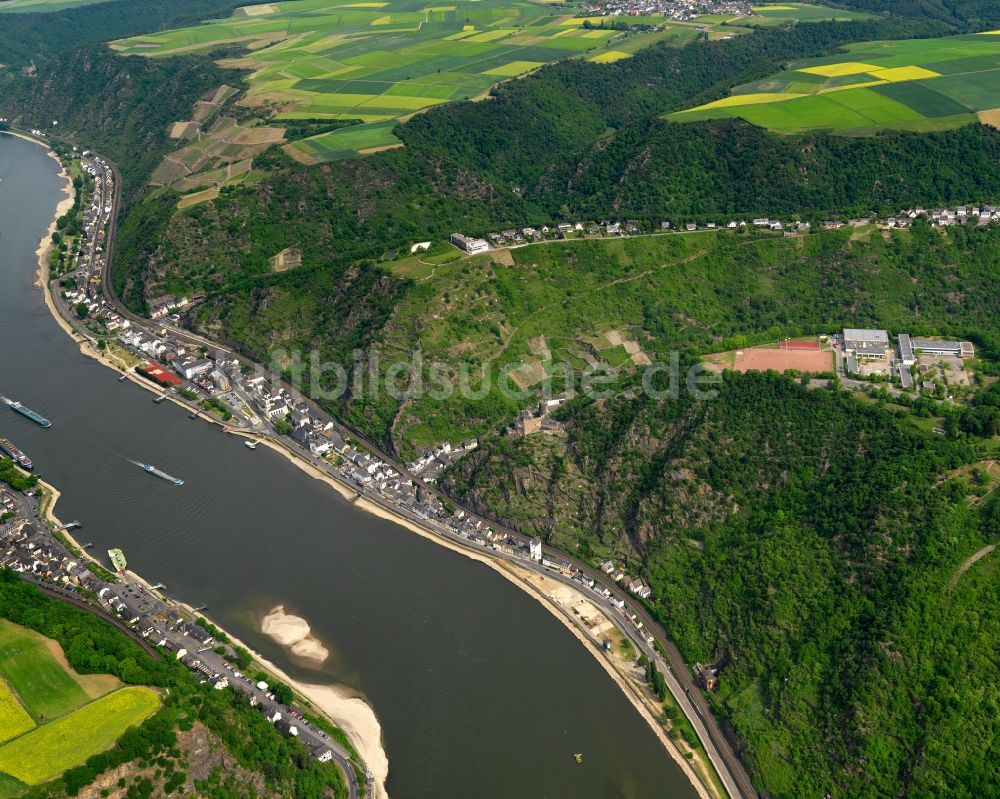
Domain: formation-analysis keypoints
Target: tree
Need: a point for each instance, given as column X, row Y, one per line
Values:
column 82, row 309
column 282, row 693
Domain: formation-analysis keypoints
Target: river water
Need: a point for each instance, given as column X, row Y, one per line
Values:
column 480, row 691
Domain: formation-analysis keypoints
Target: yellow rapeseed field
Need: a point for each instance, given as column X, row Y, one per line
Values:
column 46, row 752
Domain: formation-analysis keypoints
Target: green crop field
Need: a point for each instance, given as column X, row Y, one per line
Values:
column 780, row 13
column 379, row 62
column 917, row 84
column 44, row 687
column 46, row 752
column 41, row 6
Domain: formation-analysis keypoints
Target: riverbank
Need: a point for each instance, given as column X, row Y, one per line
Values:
column 704, row 786
column 322, row 694
column 515, row 576
column 337, row 704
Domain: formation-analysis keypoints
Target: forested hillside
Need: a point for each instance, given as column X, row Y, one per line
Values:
column 35, row 38
column 808, row 544
column 696, row 293
column 121, row 106
column 969, row 14
column 479, row 166
column 708, row 170
column 537, row 149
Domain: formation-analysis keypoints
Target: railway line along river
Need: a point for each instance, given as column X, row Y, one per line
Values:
column 479, row 691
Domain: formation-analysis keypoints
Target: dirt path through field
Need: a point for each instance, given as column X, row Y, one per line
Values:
column 969, row 563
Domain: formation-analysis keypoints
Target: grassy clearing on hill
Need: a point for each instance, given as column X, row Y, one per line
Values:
column 781, row 13
column 589, row 302
column 918, row 85
column 44, row 686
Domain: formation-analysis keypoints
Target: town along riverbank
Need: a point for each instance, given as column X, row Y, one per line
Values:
column 478, row 691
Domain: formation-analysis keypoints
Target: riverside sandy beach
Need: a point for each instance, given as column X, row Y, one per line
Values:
column 345, row 709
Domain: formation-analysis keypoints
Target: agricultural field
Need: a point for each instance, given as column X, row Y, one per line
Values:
column 52, row 718
column 41, row 6
column 918, row 85
column 217, row 150
column 380, row 62
column 38, row 675
column 782, row 13
column 14, row 719
column 46, row 752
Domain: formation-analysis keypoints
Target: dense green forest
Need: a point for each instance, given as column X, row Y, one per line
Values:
column 277, row 764
column 967, row 14
column 699, row 171
column 35, row 38
column 810, row 545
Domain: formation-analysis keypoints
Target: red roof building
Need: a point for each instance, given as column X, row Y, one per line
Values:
column 159, row 375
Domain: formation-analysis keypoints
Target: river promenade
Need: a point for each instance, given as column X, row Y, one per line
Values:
column 699, row 774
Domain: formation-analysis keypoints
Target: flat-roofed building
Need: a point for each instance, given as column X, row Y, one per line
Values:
column 906, row 354
column 470, row 245
column 865, row 343
column 905, row 378
column 956, row 349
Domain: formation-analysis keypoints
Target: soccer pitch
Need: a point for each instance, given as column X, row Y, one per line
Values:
column 917, row 85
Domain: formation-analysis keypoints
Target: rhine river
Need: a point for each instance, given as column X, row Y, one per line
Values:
column 480, row 691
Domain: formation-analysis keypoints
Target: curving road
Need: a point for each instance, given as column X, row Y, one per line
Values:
column 686, row 693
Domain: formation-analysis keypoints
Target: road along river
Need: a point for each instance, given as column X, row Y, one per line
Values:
column 480, row 691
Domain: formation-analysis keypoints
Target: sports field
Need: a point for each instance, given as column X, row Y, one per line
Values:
column 918, row 84
column 46, row 752
column 379, row 62
column 778, row 359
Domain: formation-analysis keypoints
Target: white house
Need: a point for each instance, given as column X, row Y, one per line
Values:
column 535, row 549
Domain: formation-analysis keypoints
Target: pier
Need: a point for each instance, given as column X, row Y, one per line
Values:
column 159, row 399
column 69, row 526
